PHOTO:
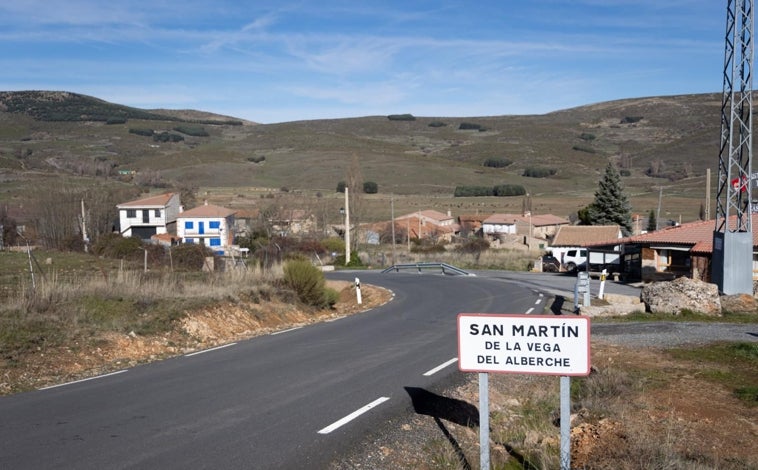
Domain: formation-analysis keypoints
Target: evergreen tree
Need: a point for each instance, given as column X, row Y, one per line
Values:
column 652, row 221
column 611, row 205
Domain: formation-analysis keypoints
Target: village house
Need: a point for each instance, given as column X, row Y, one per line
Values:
column 287, row 222
column 208, row 225
column 542, row 226
column 681, row 250
column 428, row 224
column 574, row 237
column 149, row 216
column 471, row 225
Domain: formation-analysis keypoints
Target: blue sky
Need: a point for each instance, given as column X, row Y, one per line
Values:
column 275, row 61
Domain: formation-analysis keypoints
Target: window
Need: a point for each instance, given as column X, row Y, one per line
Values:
column 189, row 225
column 157, row 213
column 215, row 242
column 214, row 224
column 131, row 213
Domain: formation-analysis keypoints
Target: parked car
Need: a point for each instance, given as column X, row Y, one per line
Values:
column 550, row 264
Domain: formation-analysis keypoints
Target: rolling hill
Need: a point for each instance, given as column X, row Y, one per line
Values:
column 662, row 145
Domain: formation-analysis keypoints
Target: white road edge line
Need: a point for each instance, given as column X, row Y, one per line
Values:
column 537, row 301
column 209, row 350
column 440, row 367
column 530, row 311
column 285, row 331
column 353, row 415
column 83, row 380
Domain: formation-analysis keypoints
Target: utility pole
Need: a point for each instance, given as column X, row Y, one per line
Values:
column 392, row 215
column 707, row 194
column 732, row 263
column 347, row 227
column 658, row 214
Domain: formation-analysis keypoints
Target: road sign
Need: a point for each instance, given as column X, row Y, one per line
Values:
column 526, row 344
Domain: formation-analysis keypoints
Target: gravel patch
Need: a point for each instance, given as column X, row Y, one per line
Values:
column 665, row 334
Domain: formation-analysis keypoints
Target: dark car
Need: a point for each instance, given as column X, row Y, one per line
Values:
column 550, row 264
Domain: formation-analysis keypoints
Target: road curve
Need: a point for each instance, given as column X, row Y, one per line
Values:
column 289, row 400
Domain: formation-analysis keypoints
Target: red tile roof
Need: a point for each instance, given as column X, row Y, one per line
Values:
column 586, row 235
column 698, row 235
column 152, row 201
column 207, row 210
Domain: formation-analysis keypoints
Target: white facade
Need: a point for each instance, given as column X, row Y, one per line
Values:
column 207, row 225
column 496, row 229
column 149, row 216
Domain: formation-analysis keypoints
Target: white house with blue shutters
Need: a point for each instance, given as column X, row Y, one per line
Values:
column 207, row 225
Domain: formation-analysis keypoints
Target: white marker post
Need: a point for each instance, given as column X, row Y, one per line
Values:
column 358, row 291
column 524, row 344
column 603, row 276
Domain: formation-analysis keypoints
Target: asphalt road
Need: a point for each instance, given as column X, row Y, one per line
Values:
column 290, row 400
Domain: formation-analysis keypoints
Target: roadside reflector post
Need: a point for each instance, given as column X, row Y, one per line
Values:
column 603, row 277
column 582, row 289
column 358, row 291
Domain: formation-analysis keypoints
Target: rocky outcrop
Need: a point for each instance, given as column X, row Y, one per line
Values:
column 739, row 303
column 681, row 294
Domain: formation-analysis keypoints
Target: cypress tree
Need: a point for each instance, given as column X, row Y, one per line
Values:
column 611, row 206
column 652, row 222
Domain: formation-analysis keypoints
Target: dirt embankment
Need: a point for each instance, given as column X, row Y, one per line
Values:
column 201, row 329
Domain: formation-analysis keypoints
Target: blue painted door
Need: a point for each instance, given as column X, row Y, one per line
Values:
column 201, row 228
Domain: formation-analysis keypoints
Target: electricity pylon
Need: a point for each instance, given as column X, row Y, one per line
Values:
column 732, row 267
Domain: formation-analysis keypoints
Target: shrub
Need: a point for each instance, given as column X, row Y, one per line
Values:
column 190, row 256
column 401, row 117
column 355, row 261
column 369, row 187
column 424, row 248
column 470, row 126
column 334, row 245
column 308, row 283
column 116, row 120
column 167, row 137
column 473, row 246
column 508, row 190
column 536, row 172
column 341, row 187
column 497, row 162
column 113, row 245
column 195, row 131
column 256, row 159
column 623, row 172
column 437, row 124
column 631, row 119
column 144, row 131
column 472, row 191
column 587, row 136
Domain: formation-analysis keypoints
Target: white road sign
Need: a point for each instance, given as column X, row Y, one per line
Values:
column 525, row 344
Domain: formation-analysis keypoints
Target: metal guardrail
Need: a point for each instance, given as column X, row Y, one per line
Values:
column 446, row 268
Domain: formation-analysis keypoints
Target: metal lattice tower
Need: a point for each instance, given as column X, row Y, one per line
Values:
column 733, row 236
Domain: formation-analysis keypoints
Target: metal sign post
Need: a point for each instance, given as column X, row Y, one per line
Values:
column 525, row 344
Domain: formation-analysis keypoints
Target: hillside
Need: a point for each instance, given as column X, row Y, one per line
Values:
column 658, row 142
